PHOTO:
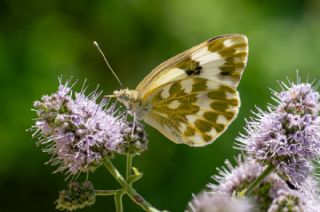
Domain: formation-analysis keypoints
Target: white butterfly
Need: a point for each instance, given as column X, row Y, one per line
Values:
column 192, row 97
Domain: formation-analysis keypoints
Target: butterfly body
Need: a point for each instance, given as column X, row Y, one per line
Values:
column 192, row 98
column 130, row 98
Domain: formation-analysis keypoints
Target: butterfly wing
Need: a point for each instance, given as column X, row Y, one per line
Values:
column 224, row 56
column 192, row 98
column 192, row 111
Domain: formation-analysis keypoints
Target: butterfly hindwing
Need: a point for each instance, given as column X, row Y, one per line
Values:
column 192, row 111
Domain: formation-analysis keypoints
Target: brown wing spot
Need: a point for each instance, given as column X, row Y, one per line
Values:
column 227, row 51
column 241, row 56
column 227, row 89
column 212, row 117
column 189, row 131
column 229, row 68
column 230, row 71
column 217, row 94
column 199, row 84
column 175, row 88
column 234, row 64
column 206, row 137
column 226, row 72
column 219, row 127
column 202, row 125
column 216, row 45
column 222, row 107
column 157, row 97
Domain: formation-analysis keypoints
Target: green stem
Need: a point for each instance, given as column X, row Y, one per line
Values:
column 118, row 200
column 139, row 200
column 129, row 165
column 106, row 192
column 115, row 173
column 132, row 193
column 258, row 180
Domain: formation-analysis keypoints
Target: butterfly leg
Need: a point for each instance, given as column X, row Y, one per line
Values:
column 133, row 124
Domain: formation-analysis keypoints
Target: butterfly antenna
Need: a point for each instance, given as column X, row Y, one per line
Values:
column 106, row 61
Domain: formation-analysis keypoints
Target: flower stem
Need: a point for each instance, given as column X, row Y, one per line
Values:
column 258, row 180
column 115, row 173
column 106, row 192
column 139, row 200
column 128, row 189
column 129, row 165
column 118, row 200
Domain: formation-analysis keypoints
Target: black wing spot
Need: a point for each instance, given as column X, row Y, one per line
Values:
column 225, row 73
column 198, row 68
column 191, row 67
column 195, row 71
column 189, row 72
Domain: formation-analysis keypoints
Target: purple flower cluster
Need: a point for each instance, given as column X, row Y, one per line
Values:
column 231, row 178
column 79, row 133
column 273, row 194
column 288, row 135
column 287, row 201
column 76, row 196
column 135, row 137
column 217, row 202
column 304, row 198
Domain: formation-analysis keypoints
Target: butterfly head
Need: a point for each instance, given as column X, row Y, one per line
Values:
column 131, row 100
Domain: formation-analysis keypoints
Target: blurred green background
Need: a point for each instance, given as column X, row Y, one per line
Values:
column 41, row 40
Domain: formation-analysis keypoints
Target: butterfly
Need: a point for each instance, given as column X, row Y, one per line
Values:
column 192, row 98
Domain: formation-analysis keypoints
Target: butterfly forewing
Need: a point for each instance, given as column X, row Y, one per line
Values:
column 192, row 97
column 223, row 57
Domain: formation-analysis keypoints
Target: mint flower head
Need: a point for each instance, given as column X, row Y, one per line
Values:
column 233, row 179
column 286, row 201
column 79, row 133
column 305, row 198
column 287, row 136
column 272, row 194
column 215, row 202
column 76, row 196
